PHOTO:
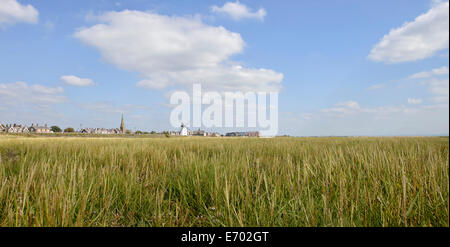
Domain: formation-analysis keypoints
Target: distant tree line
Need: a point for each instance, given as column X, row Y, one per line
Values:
column 138, row 132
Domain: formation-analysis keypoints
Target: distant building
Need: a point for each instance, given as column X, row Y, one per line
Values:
column 174, row 133
column 211, row 134
column 18, row 128
column 104, row 131
column 198, row 133
column 236, row 134
column 101, row 131
column 42, row 129
column 25, row 129
column 184, row 131
column 122, row 126
column 243, row 134
column 253, row 134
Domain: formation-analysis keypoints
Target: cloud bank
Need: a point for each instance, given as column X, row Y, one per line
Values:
column 437, row 82
column 20, row 93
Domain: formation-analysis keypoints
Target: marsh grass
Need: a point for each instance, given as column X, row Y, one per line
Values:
column 70, row 181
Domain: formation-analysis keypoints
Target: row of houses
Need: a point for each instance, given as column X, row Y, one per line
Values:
column 104, row 131
column 36, row 128
column 101, row 131
column 18, row 128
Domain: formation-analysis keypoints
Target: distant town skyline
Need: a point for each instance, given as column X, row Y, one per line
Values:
column 36, row 128
column 376, row 68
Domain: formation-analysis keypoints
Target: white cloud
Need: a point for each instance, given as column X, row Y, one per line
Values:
column 225, row 78
column 39, row 89
column 25, row 103
column 349, row 104
column 437, row 82
column 413, row 101
column 170, row 51
column 12, row 12
column 376, row 86
column 239, row 11
column 20, row 93
column 146, row 41
column 426, row 74
column 415, row 40
column 77, row 81
column 352, row 107
column 343, row 107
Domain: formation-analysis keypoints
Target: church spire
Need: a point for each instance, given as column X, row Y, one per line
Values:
column 122, row 126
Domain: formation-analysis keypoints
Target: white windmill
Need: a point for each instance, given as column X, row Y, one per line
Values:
column 184, row 130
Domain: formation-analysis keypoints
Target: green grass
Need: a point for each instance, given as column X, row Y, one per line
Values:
column 70, row 181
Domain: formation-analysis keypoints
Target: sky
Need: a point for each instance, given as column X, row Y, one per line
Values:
column 377, row 68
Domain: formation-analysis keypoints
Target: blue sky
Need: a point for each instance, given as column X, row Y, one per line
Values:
column 341, row 68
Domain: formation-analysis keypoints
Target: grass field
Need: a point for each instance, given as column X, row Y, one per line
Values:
column 70, row 181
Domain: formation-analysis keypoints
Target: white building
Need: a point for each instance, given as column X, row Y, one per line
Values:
column 42, row 129
column 184, row 131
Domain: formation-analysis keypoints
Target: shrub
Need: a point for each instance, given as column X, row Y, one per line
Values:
column 69, row 130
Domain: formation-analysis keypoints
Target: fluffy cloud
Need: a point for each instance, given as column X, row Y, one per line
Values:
column 20, row 93
column 77, row 81
column 426, row 74
column 239, row 11
column 171, row 51
column 415, row 40
column 150, row 42
column 12, row 12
